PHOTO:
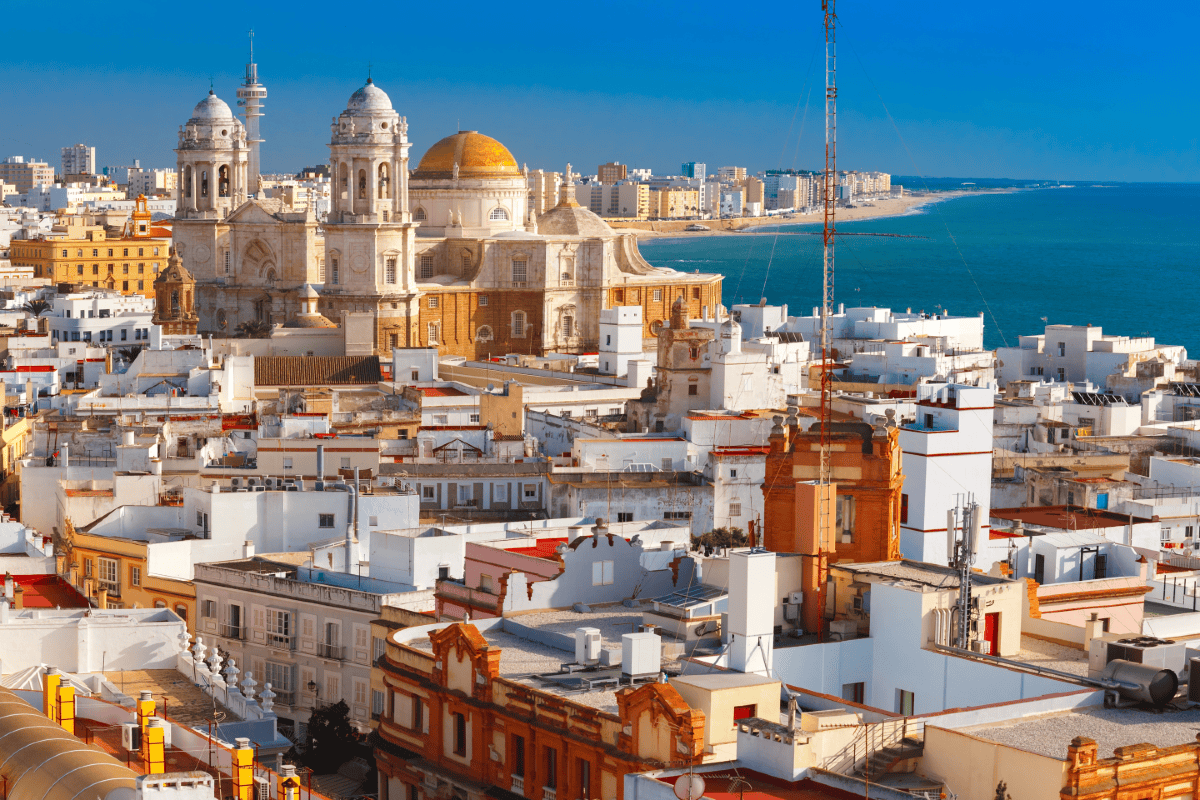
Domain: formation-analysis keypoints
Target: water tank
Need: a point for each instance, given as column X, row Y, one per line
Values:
column 1148, row 683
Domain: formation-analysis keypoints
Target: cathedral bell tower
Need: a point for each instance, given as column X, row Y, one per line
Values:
column 369, row 236
column 175, row 298
column 212, row 161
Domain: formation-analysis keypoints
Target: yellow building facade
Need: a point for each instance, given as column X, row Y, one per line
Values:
column 669, row 202
column 86, row 254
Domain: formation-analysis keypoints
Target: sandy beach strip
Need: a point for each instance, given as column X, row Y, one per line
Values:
column 878, row 209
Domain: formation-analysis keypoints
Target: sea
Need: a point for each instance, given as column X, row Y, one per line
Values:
column 1122, row 256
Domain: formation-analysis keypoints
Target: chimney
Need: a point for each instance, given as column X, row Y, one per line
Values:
column 752, row 599
column 153, row 747
column 243, row 768
column 145, row 708
column 248, row 549
column 320, row 462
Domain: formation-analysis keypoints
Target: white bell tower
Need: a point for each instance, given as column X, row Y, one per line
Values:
column 212, row 161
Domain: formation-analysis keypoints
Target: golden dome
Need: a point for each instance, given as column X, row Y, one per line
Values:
column 476, row 155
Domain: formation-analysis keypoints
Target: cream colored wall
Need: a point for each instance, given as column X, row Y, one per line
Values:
column 459, row 672
column 718, row 705
column 971, row 767
column 1004, row 599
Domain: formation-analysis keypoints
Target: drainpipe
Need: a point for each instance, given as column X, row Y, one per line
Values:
column 352, row 524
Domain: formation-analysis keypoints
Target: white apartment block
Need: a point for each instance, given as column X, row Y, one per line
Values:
column 302, row 629
column 620, row 338
column 104, row 318
column 79, row 159
column 854, row 329
column 151, row 183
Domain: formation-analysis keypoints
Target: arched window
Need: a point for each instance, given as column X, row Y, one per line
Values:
column 498, row 215
column 204, row 183
column 419, row 215
column 223, row 181
column 484, row 334
column 175, row 301
column 362, row 184
column 518, row 324
column 270, row 276
column 384, row 191
column 345, row 181
column 187, row 181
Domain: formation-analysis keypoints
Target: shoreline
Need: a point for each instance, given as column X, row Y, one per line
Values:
column 879, row 209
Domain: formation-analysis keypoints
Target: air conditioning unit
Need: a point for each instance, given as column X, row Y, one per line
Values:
column 271, row 483
column 982, row 646
column 262, row 788
column 1162, row 653
column 587, row 645
column 641, row 654
column 236, row 483
column 131, row 736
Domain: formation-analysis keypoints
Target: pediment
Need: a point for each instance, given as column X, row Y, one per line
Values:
column 252, row 212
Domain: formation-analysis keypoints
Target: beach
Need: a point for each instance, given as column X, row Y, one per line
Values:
column 871, row 209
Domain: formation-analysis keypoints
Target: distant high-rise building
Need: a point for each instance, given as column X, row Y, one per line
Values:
column 250, row 96
column 25, row 174
column 694, row 169
column 731, row 174
column 611, row 172
column 78, row 159
column 635, row 174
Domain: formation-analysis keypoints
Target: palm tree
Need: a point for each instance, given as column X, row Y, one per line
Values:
column 128, row 354
column 254, row 329
column 36, row 307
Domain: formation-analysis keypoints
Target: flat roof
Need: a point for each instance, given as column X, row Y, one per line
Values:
column 723, row 680
column 919, row 572
column 1066, row 517
column 1051, row 734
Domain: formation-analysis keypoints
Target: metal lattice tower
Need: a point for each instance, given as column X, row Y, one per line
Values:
column 825, row 510
column 250, row 96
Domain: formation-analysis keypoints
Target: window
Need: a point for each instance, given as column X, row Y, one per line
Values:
column 433, row 302
column 287, row 463
column 518, row 324
column 745, row 712
column 733, row 473
column 735, row 509
column 465, row 496
column 602, row 573
column 181, row 612
column 854, row 692
column 135, row 576
column 520, row 270
column 433, row 332
column 360, row 692
column 110, row 572
column 126, row 252
column 584, row 770
column 666, row 464
column 95, row 253
column 389, row 271
column 692, row 390
column 677, row 515
column 1101, row 566
column 320, row 268
column 419, row 215
column 551, row 768
column 500, row 492
column 279, row 629
column 376, row 703
column 279, row 676
column 483, row 299
column 1039, row 566
column 845, row 519
column 484, row 334
column 427, row 492
column 658, row 295
column 624, row 516
column 474, row 419
column 531, row 491
column 518, row 756
column 568, row 326
column 378, row 647
column 498, row 215
column 1062, row 349
column 333, row 270
column 208, row 609
column 903, row 509
column 1062, row 374
column 460, row 734
column 443, row 573
column 325, row 520
column 426, row 267
column 904, row 702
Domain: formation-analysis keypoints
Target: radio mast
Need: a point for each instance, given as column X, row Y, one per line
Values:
column 829, row 192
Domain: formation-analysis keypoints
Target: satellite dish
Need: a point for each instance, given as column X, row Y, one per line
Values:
column 689, row 787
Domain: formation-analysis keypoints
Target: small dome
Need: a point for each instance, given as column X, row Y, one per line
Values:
column 310, row 292
column 563, row 220
column 476, row 155
column 369, row 99
column 211, row 109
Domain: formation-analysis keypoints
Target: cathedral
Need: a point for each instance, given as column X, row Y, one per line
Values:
column 449, row 254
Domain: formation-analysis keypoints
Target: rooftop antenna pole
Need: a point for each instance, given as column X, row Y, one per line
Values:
column 825, row 512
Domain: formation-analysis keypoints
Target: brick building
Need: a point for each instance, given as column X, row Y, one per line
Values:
column 455, row 724
column 865, row 522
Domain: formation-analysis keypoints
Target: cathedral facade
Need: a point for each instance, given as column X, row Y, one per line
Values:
column 448, row 254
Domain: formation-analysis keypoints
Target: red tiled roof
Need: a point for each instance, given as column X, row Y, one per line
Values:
column 49, row 591
column 545, row 548
column 440, row 391
column 1072, row 518
column 315, row 371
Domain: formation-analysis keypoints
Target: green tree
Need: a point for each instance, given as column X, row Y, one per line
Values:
column 254, row 329
column 330, row 741
column 36, row 307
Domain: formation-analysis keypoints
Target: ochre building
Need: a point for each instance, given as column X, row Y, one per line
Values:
column 88, row 255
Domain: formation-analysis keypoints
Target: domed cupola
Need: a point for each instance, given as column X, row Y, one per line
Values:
column 212, row 124
column 369, row 117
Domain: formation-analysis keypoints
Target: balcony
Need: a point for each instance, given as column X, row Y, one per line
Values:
column 284, row 697
column 279, row 641
column 326, row 650
column 237, row 632
column 549, row 794
column 113, row 589
column 518, row 784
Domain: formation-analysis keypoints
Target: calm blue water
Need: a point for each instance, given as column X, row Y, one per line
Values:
column 1125, row 257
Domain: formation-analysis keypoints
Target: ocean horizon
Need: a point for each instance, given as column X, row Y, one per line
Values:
column 1095, row 253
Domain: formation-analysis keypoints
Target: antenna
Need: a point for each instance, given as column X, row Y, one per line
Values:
column 830, row 186
column 252, row 44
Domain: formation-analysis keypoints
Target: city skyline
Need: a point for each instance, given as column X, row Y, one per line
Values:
column 973, row 95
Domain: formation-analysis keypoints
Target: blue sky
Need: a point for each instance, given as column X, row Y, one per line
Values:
column 1066, row 90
